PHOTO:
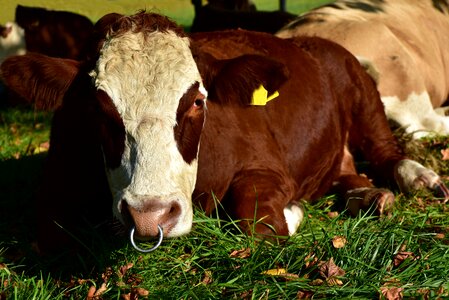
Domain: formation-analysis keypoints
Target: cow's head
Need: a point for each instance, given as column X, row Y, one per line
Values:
column 147, row 81
column 147, row 88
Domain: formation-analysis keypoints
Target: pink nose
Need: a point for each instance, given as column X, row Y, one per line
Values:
column 154, row 212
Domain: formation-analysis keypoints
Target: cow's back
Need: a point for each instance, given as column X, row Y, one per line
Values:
column 403, row 38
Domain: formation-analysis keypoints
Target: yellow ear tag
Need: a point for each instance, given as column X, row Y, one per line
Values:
column 260, row 96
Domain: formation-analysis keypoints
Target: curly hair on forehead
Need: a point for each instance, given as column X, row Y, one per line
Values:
column 146, row 23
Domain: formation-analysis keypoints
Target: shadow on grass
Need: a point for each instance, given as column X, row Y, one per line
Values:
column 19, row 180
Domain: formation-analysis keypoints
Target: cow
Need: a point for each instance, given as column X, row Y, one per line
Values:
column 54, row 32
column 12, row 40
column 156, row 123
column 220, row 15
column 403, row 43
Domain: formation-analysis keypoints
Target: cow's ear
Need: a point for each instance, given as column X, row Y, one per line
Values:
column 39, row 79
column 235, row 80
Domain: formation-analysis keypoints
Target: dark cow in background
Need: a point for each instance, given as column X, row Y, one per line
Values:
column 50, row 32
column 234, row 14
column 156, row 117
column 403, row 42
column 54, row 33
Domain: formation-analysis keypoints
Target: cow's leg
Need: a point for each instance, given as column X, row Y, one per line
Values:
column 357, row 192
column 264, row 202
column 371, row 133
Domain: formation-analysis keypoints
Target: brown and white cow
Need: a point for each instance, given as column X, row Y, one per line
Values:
column 12, row 40
column 156, row 121
column 406, row 43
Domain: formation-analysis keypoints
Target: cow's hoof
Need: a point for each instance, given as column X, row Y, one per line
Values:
column 369, row 198
column 412, row 176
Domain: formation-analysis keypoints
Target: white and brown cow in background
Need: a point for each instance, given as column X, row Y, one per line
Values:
column 405, row 41
column 12, row 40
column 155, row 121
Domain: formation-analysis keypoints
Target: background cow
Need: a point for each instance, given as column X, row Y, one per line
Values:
column 12, row 40
column 405, row 41
column 54, row 33
column 159, row 118
column 50, row 32
column 233, row 14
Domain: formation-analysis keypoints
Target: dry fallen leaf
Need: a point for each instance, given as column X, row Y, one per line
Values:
column 207, row 277
column 124, row 269
column 242, row 253
column 445, row 153
column 274, row 272
column 392, row 293
column 304, row 295
column 332, row 214
column 43, row 147
column 310, row 260
column 440, row 236
column 280, row 272
column 103, row 288
column 401, row 256
column 339, row 241
column 91, row 292
column 330, row 271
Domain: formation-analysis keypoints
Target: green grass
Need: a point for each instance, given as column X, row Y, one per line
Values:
column 408, row 249
column 179, row 10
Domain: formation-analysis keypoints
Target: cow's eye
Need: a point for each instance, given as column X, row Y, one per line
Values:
column 198, row 103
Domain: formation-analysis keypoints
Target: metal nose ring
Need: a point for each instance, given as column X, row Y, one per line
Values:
column 159, row 242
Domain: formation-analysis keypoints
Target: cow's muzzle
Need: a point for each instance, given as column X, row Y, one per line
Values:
column 146, row 250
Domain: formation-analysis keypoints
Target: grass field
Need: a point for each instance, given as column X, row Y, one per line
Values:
column 179, row 10
column 401, row 255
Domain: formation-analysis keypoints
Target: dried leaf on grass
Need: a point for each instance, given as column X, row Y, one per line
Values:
column 124, row 269
column 311, row 260
column 304, row 295
column 445, row 153
column 135, row 293
column 392, row 293
column 242, row 253
column 95, row 293
column 280, row 272
column 339, row 241
column 401, row 256
column 207, row 279
column 332, row 214
column 330, row 271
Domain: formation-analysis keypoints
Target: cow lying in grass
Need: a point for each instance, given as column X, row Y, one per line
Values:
column 403, row 42
column 155, row 121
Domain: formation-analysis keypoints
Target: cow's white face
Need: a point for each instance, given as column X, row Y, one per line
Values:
column 154, row 85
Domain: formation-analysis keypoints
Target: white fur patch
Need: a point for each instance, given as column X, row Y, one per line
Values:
column 411, row 175
column 14, row 43
column 145, row 78
column 416, row 115
column 294, row 214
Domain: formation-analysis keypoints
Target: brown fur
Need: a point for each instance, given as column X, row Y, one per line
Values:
column 54, row 33
column 292, row 148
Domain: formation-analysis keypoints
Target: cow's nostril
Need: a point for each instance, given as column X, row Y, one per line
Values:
column 150, row 215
